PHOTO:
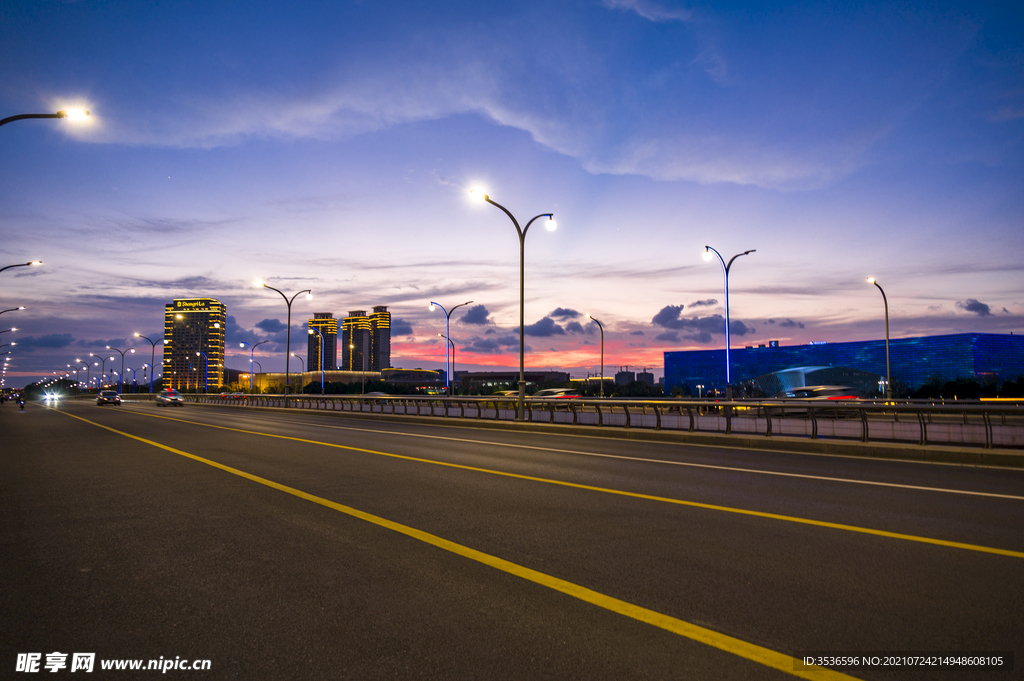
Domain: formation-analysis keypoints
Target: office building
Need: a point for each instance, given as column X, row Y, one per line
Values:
column 366, row 340
column 327, row 325
column 194, row 344
column 914, row 361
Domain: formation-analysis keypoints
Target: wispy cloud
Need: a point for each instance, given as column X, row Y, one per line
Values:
column 650, row 10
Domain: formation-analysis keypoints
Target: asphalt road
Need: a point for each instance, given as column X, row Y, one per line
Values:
column 310, row 546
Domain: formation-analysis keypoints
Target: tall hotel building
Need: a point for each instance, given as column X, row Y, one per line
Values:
column 366, row 340
column 192, row 326
column 327, row 325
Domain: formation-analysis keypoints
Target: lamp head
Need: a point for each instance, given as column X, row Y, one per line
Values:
column 74, row 114
column 478, row 194
column 309, row 331
column 706, row 255
column 241, row 345
column 433, row 307
column 35, row 263
column 551, row 225
column 871, row 280
column 132, row 351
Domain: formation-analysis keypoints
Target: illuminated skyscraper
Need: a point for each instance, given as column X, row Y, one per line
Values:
column 366, row 341
column 355, row 341
column 192, row 326
column 327, row 325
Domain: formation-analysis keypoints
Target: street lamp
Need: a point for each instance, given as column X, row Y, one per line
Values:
column 122, row 353
column 71, row 114
column 448, row 368
column 88, row 372
column 600, row 326
column 288, row 336
column 452, row 344
column 252, row 350
column 550, row 225
column 888, row 375
column 317, row 331
column 206, row 381
column 261, row 375
column 13, row 309
column 103, row 365
column 34, row 263
column 152, row 357
column 302, row 388
column 725, row 269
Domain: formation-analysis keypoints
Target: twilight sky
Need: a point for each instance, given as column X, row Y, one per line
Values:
column 331, row 146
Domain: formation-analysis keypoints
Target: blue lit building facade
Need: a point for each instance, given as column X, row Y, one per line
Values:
column 914, row 361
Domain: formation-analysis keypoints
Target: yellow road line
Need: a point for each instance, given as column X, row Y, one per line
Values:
column 729, row 644
column 635, row 495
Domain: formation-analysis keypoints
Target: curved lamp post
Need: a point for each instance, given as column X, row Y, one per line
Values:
column 315, row 330
column 261, row 375
column 206, row 381
column 88, row 372
column 550, row 225
column 888, row 376
column 103, row 366
column 13, row 309
column 448, row 332
column 600, row 326
column 725, row 269
column 252, row 351
column 302, row 388
column 452, row 344
column 23, row 264
column 288, row 336
column 122, row 353
column 152, row 358
column 72, row 114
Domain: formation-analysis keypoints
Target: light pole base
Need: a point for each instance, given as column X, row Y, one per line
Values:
column 521, row 416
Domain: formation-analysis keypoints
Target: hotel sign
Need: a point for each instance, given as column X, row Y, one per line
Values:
column 202, row 305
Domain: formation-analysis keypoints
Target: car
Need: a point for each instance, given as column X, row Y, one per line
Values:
column 558, row 393
column 819, row 392
column 108, row 397
column 238, row 396
column 169, row 397
column 506, row 393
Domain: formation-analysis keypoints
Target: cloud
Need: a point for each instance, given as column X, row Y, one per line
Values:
column 271, row 325
column 497, row 344
column 650, row 10
column 564, row 313
column 400, row 327
column 51, row 341
column 636, row 333
column 544, row 328
column 976, row 306
column 478, row 315
column 574, row 327
column 699, row 328
column 704, row 303
column 790, row 324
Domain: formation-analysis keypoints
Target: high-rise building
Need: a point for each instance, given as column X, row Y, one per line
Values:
column 194, row 344
column 356, row 334
column 327, row 325
column 366, row 340
column 380, row 324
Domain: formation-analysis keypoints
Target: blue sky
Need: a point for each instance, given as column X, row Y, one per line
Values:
column 331, row 146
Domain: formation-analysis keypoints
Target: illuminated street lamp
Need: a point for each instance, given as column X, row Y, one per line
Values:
column 88, row 372
column 206, row 381
column 122, row 353
column 261, row 375
column 103, row 365
column 725, row 269
column 303, row 365
column 448, row 368
column 550, row 225
column 13, row 309
column 888, row 376
column 317, row 331
column 288, row 336
column 34, row 263
column 152, row 357
column 452, row 344
column 600, row 326
column 252, row 350
column 70, row 114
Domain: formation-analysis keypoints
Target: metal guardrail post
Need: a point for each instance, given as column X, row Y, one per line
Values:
column 600, row 417
column 689, row 412
column 989, row 436
column 626, row 409
column 864, row 425
column 814, row 423
column 923, row 440
column 657, row 418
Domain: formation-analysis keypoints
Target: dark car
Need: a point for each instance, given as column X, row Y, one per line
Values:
column 820, row 392
column 169, row 397
column 108, row 397
column 558, row 393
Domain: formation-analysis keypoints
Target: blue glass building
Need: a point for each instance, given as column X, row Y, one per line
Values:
column 914, row 361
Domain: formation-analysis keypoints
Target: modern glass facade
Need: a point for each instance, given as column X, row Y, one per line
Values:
column 193, row 326
column 914, row 361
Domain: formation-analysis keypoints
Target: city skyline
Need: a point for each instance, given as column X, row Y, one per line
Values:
column 333, row 148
